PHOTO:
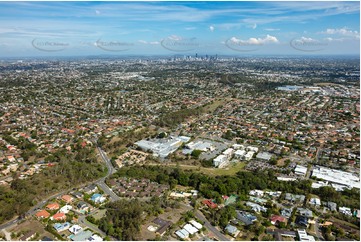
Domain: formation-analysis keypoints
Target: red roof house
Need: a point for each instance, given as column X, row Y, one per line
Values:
column 42, row 214
column 59, row 216
column 276, row 219
column 209, row 203
column 53, row 206
column 67, row 198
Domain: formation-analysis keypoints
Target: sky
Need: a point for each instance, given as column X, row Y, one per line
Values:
column 179, row 28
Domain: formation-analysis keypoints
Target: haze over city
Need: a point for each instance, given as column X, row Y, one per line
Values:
column 169, row 28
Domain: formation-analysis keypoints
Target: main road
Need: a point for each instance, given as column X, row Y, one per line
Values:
column 111, row 170
column 207, row 224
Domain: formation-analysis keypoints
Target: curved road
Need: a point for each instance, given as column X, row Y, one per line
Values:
column 100, row 183
column 199, row 215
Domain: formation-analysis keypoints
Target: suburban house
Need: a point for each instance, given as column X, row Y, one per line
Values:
column 78, row 194
column 256, row 207
column 302, row 221
column 65, row 209
column 331, row 205
column 277, row 219
column 90, row 189
column 280, row 233
column 286, row 212
column 305, row 212
column 209, row 203
column 59, row 227
column 82, row 205
column 28, row 236
column 95, row 237
column 75, row 229
column 42, row 214
column 295, row 198
column 315, row 201
column 67, row 198
column 81, row 236
column 58, row 216
column 232, row 230
column 245, row 217
column 163, row 225
column 53, row 206
column 97, row 198
column 303, row 236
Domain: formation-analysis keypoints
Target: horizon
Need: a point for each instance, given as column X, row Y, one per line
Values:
column 61, row 29
column 124, row 57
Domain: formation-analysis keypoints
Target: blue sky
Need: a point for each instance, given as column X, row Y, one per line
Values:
column 168, row 28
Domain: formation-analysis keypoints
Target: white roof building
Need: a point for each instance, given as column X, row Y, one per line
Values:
column 249, row 155
column 252, row 148
column 196, row 224
column 219, row 160
column 302, row 234
column 75, row 229
column 190, row 229
column 161, row 147
column 181, row 235
column 264, row 156
column 345, row 210
column 300, row 170
column 238, row 146
column 239, row 153
column 95, row 237
column 336, row 176
column 315, row 201
column 257, row 193
column 256, row 207
column 228, row 152
column 65, row 209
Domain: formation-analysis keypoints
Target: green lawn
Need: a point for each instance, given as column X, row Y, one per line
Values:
column 211, row 107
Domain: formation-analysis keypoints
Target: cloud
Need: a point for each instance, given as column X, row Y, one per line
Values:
column 254, row 26
column 343, row 31
column 190, row 28
column 97, row 12
column 334, row 39
column 307, row 40
column 148, row 43
column 211, row 28
column 271, row 29
column 255, row 41
column 175, row 37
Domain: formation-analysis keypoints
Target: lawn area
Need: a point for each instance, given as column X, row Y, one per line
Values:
column 99, row 213
column 211, row 107
column 228, row 171
column 231, row 170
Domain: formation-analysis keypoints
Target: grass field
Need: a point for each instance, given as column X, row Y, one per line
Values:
column 231, row 170
column 99, row 214
column 211, row 107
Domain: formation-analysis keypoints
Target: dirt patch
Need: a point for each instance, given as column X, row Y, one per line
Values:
column 169, row 214
column 31, row 225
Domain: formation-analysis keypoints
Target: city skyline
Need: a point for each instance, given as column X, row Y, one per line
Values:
column 186, row 28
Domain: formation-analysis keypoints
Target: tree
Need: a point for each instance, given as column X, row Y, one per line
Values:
column 196, row 153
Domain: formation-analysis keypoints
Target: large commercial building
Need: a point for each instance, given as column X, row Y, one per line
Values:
column 343, row 178
column 162, row 147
